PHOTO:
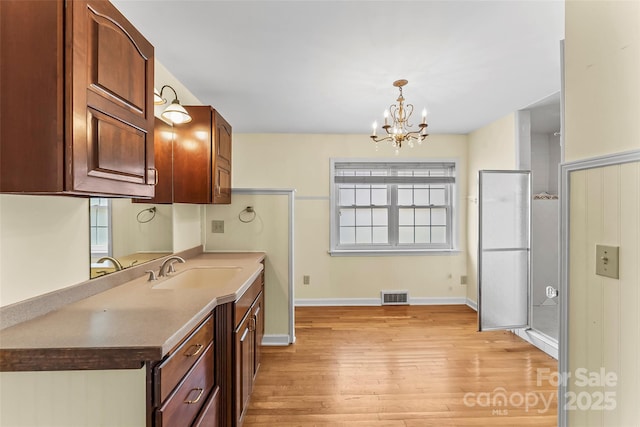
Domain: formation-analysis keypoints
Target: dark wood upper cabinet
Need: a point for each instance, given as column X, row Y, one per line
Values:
column 163, row 136
column 222, row 167
column 77, row 100
column 202, row 158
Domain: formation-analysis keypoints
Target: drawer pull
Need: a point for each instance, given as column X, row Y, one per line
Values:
column 200, row 393
column 198, row 347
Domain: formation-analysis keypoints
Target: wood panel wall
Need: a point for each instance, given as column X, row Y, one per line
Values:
column 604, row 313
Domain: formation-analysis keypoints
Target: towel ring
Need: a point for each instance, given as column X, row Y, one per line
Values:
column 247, row 210
column 153, row 215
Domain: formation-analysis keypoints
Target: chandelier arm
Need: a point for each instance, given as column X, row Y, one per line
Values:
column 393, row 109
column 376, row 139
column 409, row 112
column 417, row 136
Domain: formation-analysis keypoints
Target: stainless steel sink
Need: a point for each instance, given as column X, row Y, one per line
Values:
column 198, row 278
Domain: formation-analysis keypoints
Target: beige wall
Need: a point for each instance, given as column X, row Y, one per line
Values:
column 44, row 245
column 187, row 231
column 602, row 87
column 302, row 162
column 602, row 69
column 131, row 236
column 490, row 147
column 269, row 233
column 73, row 398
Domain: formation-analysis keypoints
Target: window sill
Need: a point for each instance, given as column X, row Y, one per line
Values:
column 395, row 252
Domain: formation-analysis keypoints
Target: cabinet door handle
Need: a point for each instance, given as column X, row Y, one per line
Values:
column 244, row 334
column 198, row 347
column 155, row 175
column 200, row 393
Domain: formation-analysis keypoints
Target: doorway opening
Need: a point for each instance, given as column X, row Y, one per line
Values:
column 540, row 151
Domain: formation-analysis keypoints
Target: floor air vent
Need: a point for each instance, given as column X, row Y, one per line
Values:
column 394, row 297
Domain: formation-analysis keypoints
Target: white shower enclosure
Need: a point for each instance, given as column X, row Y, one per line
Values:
column 504, row 250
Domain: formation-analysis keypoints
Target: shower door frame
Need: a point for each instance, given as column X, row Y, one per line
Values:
column 527, row 304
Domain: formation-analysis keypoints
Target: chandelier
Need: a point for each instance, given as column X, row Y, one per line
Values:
column 398, row 131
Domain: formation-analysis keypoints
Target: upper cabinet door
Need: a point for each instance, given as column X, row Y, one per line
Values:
column 111, row 102
column 163, row 135
column 192, row 154
column 77, row 100
column 222, row 176
column 202, row 158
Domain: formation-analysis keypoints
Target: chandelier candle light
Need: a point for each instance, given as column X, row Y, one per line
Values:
column 398, row 131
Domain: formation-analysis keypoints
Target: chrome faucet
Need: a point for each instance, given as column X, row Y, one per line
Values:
column 167, row 265
column 114, row 261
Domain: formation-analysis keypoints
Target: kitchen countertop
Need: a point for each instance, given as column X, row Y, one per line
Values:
column 126, row 325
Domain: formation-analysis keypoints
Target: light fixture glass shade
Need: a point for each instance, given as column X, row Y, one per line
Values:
column 157, row 98
column 176, row 113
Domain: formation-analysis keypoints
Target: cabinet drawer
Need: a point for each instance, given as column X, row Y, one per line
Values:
column 184, row 404
column 171, row 371
column 210, row 411
column 245, row 301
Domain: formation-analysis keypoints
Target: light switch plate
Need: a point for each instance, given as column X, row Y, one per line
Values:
column 607, row 261
column 217, row 226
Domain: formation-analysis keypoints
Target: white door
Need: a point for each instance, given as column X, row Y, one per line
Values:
column 504, row 248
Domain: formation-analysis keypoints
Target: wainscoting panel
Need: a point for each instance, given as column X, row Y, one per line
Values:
column 603, row 314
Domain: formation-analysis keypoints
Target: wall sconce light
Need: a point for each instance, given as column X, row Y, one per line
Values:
column 174, row 113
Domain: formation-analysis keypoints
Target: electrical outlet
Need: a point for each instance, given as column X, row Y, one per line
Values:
column 306, row 280
column 463, row 280
column 217, row 226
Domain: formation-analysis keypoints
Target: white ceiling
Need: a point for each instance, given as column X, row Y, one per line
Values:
column 304, row 66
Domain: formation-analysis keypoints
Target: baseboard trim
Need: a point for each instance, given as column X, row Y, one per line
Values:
column 275, row 340
column 437, row 301
column 472, row 304
column 336, row 302
column 355, row 302
column 539, row 340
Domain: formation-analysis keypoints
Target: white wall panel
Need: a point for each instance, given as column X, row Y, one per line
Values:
column 604, row 327
column 73, row 398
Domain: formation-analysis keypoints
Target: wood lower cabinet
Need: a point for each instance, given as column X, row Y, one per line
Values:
column 248, row 339
column 258, row 316
column 202, row 158
column 208, row 378
column 76, row 112
column 184, row 391
column 210, row 414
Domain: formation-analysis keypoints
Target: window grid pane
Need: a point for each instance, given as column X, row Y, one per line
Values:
column 421, row 211
column 364, row 225
column 422, row 225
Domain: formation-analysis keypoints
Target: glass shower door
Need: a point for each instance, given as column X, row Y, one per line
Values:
column 504, row 249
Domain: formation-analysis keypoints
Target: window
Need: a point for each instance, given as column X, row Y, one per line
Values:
column 100, row 226
column 392, row 206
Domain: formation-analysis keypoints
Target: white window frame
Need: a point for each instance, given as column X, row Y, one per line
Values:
column 98, row 251
column 392, row 248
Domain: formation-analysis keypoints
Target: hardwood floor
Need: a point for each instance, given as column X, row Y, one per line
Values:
column 401, row 366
